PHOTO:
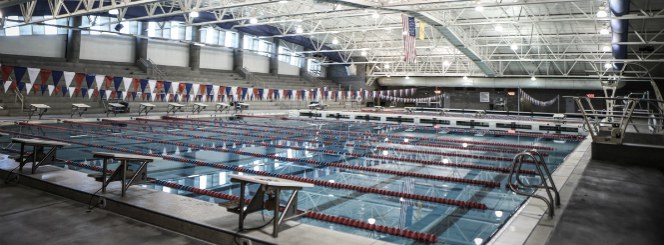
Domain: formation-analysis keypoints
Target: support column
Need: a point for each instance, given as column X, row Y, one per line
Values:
column 238, row 59
column 141, row 44
column 73, row 53
column 195, row 50
column 305, row 65
column 274, row 59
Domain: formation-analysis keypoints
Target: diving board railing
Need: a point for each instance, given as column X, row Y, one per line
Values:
column 20, row 98
column 621, row 115
column 515, row 182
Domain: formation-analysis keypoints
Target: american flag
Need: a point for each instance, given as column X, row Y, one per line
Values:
column 408, row 24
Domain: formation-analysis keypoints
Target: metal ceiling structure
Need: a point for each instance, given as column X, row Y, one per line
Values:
column 491, row 38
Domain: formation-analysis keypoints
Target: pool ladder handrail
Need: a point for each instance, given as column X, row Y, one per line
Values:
column 542, row 171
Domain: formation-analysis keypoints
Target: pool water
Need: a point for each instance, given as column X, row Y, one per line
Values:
column 339, row 155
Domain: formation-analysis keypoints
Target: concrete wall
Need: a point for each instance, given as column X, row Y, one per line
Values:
column 168, row 53
column 288, row 69
column 216, row 58
column 41, row 46
column 256, row 63
column 107, row 48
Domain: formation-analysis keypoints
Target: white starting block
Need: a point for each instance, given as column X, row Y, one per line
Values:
column 38, row 157
column 221, row 107
column 2, row 108
column 174, row 107
column 241, row 106
column 317, row 106
column 378, row 108
column 40, row 109
column 273, row 188
column 559, row 117
column 198, row 107
column 145, row 107
column 121, row 173
column 114, row 108
column 410, row 110
column 78, row 108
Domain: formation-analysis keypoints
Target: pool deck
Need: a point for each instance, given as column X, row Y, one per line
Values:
column 200, row 219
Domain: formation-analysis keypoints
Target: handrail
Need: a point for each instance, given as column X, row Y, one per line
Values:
column 158, row 72
column 250, row 77
column 19, row 97
column 542, row 171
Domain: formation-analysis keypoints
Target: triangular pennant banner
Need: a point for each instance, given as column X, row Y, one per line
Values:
column 116, row 82
column 71, row 92
column 99, row 79
column 90, row 92
column 107, row 93
column 69, row 76
column 28, row 87
column 33, row 73
column 144, row 84
column 44, row 88
column 19, row 72
column 6, row 71
column 127, row 83
column 7, row 84
column 89, row 79
column 51, row 88
column 152, row 84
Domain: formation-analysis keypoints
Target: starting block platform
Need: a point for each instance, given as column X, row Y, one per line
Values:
column 273, row 187
column 317, row 106
column 221, row 107
column 40, row 109
column 114, row 108
column 145, row 107
column 198, row 107
column 174, row 107
column 122, row 173
column 78, row 109
column 38, row 157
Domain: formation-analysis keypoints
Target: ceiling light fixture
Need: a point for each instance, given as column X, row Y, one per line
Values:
column 253, row 20
column 375, row 15
column 112, row 11
column 194, row 14
column 386, row 66
column 604, row 31
column 533, row 78
column 606, row 48
column 608, row 65
column 299, row 30
column 602, row 13
column 335, row 41
column 479, row 8
column 465, row 77
column 407, row 77
column 499, row 28
column 364, row 53
column 446, row 63
column 514, row 46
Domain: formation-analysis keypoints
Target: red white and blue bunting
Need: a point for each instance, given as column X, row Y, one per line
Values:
column 536, row 102
column 410, row 100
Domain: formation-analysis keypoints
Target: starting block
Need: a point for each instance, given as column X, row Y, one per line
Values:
column 317, row 106
column 78, row 108
column 174, row 107
column 122, row 173
column 241, row 107
column 114, row 108
column 378, row 108
column 38, row 157
column 145, row 107
column 273, row 188
column 410, row 110
column 220, row 107
column 40, row 109
column 198, row 107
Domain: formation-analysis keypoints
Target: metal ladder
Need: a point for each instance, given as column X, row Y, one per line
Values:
column 542, row 171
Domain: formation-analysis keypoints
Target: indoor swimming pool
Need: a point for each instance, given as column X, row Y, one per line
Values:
column 435, row 180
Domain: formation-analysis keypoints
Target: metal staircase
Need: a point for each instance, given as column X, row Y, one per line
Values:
column 516, row 182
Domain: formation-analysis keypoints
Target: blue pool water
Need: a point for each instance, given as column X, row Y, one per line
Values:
column 452, row 224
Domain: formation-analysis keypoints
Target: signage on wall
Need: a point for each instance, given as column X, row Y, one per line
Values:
column 590, row 95
column 484, row 97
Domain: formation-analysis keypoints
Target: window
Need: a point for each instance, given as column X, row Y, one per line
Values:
column 12, row 31
column 50, row 30
column 314, row 67
column 175, row 30
column 152, row 29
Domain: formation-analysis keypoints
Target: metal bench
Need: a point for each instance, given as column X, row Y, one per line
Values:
column 174, row 107
column 221, row 107
column 40, row 109
column 114, row 108
column 38, row 157
column 198, row 107
column 78, row 108
column 122, row 173
column 145, row 107
column 273, row 188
